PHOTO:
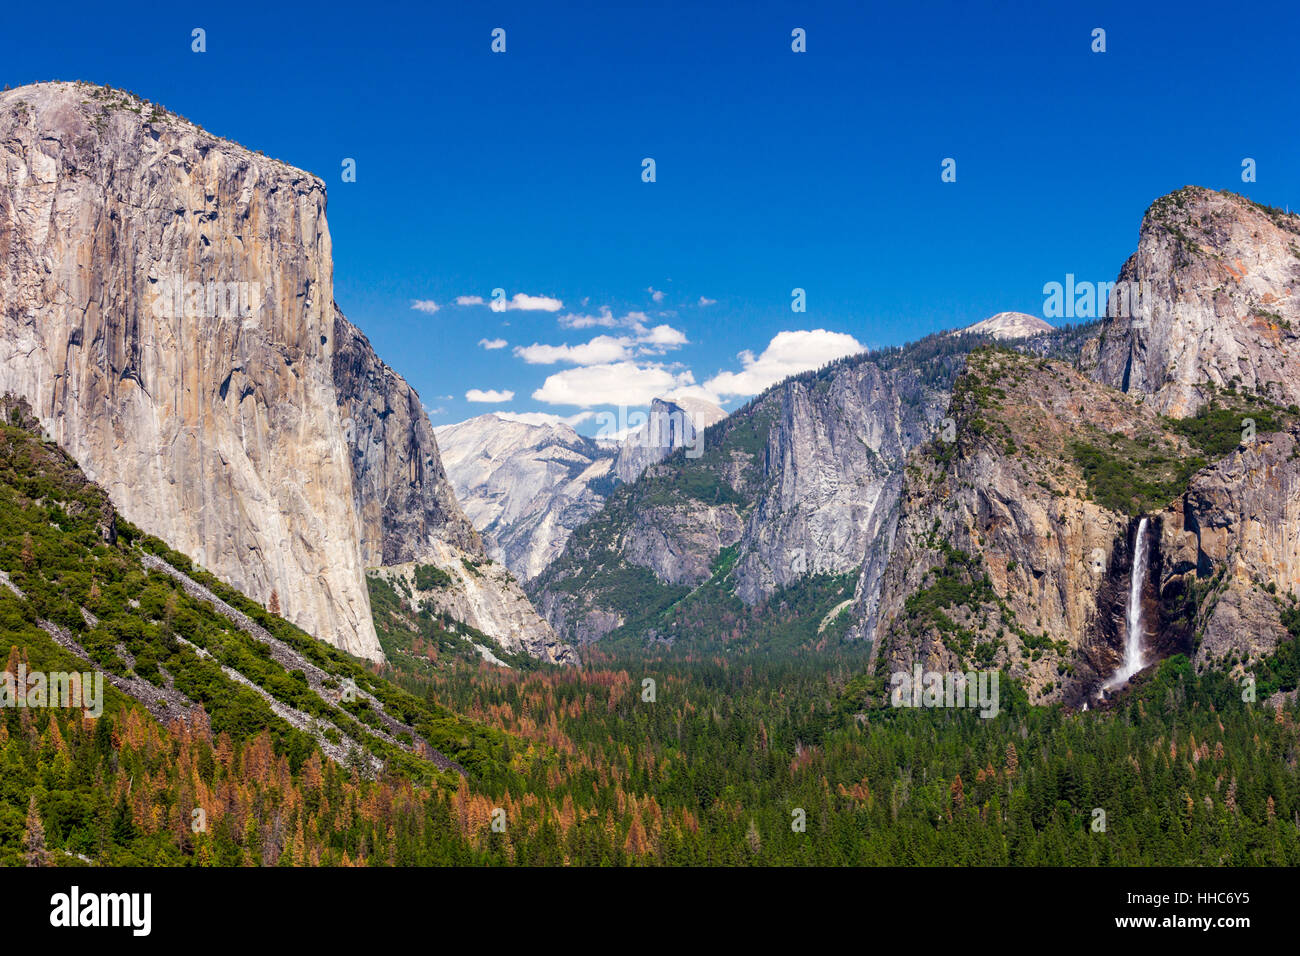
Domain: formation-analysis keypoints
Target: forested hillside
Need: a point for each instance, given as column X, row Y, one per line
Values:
column 742, row 758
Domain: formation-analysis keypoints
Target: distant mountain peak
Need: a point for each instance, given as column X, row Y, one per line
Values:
column 1009, row 325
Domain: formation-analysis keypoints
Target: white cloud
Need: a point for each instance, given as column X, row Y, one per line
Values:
column 600, row 350
column 491, row 344
column 534, row 303
column 605, row 319
column 787, row 354
column 521, row 302
column 489, row 395
column 664, row 336
column 706, row 301
column 604, row 349
column 656, row 294
column 545, row 418
column 425, row 305
column 618, row 383
column 693, row 391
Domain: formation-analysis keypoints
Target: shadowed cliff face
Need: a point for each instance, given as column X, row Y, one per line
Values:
column 1101, row 652
column 403, row 499
column 167, row 309
column 1235, row 538
column 407, row 510
column 1167, row 609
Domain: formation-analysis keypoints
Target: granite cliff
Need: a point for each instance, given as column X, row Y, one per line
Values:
column 526, row 485
column 1218, row 283
column 166, row 307
column 799, row 483
column 1017, row 537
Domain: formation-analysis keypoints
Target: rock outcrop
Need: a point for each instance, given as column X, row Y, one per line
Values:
column 802, row 481
column 166, row 305
column 671, row 424
column 1237, row 532
column 404, row 502
column 1016, row 540
column 1006, row 555
column 1003, row 555
column 1217, row 283
column 525, row 486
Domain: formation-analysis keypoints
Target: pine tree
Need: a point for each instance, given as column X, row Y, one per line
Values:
column 753, row 839
column 274, row 604
column 34, row 839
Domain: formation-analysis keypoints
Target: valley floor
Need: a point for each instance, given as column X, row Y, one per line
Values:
column 666, row 760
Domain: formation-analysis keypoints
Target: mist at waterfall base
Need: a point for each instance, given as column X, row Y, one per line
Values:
column 1133, row 659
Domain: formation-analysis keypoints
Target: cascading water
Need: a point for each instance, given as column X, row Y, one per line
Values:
column 1133, row 661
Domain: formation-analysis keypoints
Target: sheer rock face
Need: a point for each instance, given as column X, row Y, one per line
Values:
column 166, row 307
column 679, row 542
column 1007, row 493
column 1223, row 279
column 211, row 420
column 1239, row 523
column 829, row 487
column 524, row 486
column 402, row 496
column 671, row 424
column 802, row 481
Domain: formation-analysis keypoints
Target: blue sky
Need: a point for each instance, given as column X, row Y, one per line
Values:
column 775, row 170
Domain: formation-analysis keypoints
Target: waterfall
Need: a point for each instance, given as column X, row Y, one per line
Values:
column 1133, row 661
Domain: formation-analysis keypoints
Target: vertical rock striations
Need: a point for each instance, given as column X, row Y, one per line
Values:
column 1218, row 278
column 408, row 512
column 166, row 307
column 1236, row 534
column 403, row 499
